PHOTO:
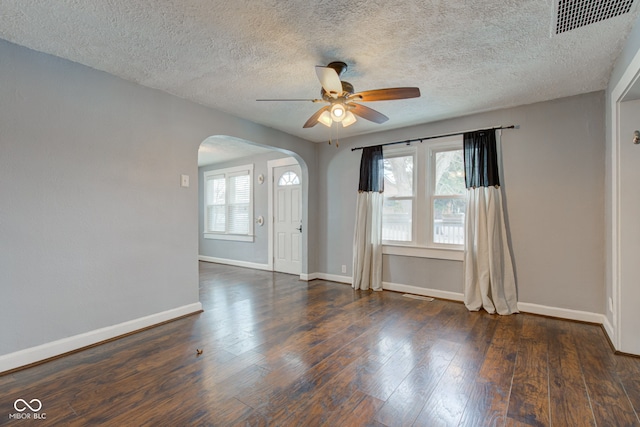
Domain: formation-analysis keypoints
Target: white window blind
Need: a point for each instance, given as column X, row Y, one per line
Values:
column 228, row 203
column 239, row 203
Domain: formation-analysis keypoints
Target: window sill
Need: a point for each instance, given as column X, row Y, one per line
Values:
column 422, row 252
column 233, row 237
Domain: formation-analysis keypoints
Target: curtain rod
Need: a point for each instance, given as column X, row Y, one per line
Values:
column 409, row 141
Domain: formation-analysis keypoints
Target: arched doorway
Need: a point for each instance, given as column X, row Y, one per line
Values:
column 236, row 205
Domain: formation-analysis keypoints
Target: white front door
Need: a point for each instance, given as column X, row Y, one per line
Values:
column 287, row 221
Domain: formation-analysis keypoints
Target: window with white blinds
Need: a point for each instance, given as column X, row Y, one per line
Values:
column 228, row 210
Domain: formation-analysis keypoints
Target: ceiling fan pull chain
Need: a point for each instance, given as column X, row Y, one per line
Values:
column 331, row 131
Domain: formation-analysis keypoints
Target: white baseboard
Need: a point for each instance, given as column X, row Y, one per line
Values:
column 409, row 289
column 608, row 329
column 308, row 277
column 329, row 277
column 236, row 263
column 562, row 313
column 254, row 265
column 56, row 348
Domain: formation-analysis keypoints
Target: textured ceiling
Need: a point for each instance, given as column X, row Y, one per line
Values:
column 465, row 56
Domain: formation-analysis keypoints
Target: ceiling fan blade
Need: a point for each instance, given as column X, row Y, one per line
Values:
column 291, row 99
column 313, row 120
column 329, row 80
column 367, row 113
column 386, row 94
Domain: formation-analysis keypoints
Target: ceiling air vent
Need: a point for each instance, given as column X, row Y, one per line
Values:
column 572, row 14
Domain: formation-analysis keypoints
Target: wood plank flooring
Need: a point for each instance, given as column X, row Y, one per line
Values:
column 281, row 352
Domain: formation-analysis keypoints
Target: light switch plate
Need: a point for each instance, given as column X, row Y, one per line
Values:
column 184, row 180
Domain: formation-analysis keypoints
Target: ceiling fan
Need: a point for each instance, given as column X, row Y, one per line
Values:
column 341, row 98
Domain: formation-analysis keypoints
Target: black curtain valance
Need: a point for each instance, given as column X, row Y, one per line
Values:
column 371, row 169
column 481, row 159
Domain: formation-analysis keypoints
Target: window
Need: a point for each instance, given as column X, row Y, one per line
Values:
column 228, row 204
column 399, row 197
column 288, row 178
column 448, row 197
column 424, row 195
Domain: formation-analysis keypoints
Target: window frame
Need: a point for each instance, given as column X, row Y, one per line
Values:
column 422, row 243
column 228, row 173
column 295, row 181
column 432, row 196
column 406, row 152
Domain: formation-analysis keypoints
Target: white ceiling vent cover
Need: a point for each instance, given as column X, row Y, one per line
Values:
column 572, row 14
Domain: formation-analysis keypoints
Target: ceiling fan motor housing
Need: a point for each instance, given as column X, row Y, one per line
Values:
column 339, row 66
column 347, row 89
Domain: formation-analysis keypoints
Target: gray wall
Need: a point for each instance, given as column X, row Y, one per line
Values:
column 256, row 251
column 95, row 229
column 554, row 193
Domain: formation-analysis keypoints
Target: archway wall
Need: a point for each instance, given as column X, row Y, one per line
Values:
column 283, row 145
column 97, row 237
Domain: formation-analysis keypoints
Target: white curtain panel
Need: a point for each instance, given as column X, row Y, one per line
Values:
column 489, row 279
column 367, row 242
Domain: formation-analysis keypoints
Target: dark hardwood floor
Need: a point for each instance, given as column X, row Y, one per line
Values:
column 281, row 352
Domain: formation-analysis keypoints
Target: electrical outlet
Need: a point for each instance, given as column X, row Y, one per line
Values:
column 344, row 268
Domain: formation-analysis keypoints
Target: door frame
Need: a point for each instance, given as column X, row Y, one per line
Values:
column 630, row 76
column 271, row 165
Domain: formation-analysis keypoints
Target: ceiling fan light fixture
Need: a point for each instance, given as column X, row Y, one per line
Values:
column 349, row 119
column 325, row 119
column 338, row 111
column 340, row 96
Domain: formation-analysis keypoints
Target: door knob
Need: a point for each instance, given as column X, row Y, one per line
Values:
column 299, row 228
